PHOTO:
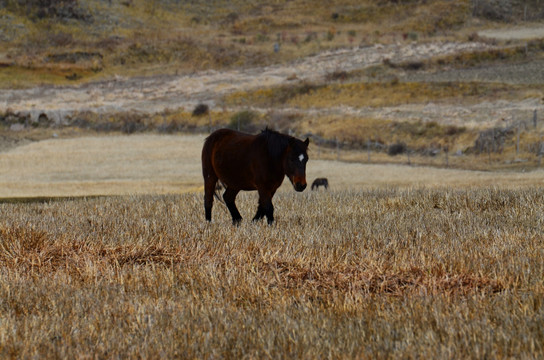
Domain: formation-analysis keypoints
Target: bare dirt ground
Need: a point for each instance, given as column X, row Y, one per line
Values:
column 515, row 33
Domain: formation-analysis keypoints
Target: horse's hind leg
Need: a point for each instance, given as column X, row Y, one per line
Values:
column 230, row 196
column 209, row 190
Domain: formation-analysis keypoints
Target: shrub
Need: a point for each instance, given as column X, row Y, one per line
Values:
column 337, row 75
column 49, row 9
column 201, row 109
column 492, row 140
column 493, row 9
column 243, row 120
column 396, row 149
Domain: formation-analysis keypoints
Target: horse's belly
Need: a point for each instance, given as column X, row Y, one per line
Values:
column 234, row 180
column 237, row 170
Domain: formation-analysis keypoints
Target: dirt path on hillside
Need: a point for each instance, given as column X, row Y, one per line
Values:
column 154, row 94
column 514, row 33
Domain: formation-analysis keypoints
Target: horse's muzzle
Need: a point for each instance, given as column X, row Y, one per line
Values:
column 300, row 187
column 299, row 182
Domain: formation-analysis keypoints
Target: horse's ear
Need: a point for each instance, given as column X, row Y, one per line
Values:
column 307, row 142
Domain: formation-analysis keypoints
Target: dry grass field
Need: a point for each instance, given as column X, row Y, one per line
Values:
column 435, row 273
column 393, row 261
column 104, row 251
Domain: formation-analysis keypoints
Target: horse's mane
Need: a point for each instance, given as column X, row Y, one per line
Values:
column 275, row 142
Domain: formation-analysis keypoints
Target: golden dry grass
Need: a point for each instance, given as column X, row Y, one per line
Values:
column 380, row 94
column 393, row 261
column 342, row 274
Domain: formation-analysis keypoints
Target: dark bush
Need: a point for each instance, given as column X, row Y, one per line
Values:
column 454, row 130
column 492, row 140
column 49, row 9
column 396, row 149
column 338, row 75
column 201, row 109
column 9, row 118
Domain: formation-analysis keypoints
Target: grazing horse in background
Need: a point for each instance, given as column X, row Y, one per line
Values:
column 251, row 162
column 320, row 182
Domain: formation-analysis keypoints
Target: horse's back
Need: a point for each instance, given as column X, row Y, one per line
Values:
column 227, row 142
column 214, row 138
column 226, row 153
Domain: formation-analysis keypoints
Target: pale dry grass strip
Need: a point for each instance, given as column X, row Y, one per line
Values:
column 164, row 164
column 109, row 165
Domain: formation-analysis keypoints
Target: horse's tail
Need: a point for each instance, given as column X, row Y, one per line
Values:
column 217, row 193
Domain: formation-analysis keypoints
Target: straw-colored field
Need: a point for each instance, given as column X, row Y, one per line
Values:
column 104, row 250
column 161, row 164
column 355, row 274
column 110, row 165
column 392, row 262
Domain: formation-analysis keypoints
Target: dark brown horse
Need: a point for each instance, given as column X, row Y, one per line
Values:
column 251, row 162
column 320, row 182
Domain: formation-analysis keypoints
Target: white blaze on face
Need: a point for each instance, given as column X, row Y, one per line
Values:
column 301, row 157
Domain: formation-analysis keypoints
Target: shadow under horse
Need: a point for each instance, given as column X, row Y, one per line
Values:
column 251, row 162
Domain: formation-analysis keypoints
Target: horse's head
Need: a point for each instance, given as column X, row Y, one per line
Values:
column 295, row 162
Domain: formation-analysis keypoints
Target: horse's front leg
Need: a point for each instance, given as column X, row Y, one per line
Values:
column 260, row 213
column 265, row 207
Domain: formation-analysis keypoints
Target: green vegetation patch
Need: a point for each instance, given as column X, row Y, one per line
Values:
column 407, row 16
column 511, row 54
column 376, row 94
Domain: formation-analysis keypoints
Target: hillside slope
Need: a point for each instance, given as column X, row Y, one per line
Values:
column 426, row 78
